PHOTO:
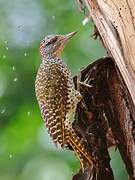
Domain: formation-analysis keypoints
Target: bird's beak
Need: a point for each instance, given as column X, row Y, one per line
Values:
column 67, row 37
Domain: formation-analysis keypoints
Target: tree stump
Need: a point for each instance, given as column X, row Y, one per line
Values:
column 110, row 102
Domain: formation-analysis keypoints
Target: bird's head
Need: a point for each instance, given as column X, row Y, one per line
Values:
column 54, row 44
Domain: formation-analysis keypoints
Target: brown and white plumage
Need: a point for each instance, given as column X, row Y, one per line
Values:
column 57, row 96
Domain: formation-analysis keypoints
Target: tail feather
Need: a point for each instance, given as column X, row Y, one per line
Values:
column 74, row 141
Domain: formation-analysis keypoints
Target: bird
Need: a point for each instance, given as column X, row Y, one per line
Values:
column 58, row 98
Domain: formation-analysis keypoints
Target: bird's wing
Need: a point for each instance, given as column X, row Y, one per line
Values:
column 52, row 94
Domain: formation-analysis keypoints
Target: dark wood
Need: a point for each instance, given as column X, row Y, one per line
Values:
column 106, row 105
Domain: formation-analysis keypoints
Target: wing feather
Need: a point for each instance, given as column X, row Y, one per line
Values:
column 52, row 94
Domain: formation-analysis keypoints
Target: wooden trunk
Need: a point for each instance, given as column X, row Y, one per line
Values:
column 114, row 85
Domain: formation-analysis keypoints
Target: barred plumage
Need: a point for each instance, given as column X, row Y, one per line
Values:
column 57, row 96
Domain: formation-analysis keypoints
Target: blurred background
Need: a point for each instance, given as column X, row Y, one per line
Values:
column 26, row 150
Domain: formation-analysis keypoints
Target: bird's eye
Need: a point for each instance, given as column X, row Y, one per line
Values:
column 52, row 41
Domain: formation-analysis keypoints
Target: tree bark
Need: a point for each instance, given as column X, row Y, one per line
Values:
column 110, row 104
column 115, row 21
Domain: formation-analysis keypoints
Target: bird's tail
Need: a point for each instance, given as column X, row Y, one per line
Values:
column 74, row 141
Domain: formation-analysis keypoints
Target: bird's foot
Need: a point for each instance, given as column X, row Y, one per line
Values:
column 79, row 82
column 85, row 84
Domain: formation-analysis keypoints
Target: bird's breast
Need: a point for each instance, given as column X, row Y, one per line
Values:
column 52, row 93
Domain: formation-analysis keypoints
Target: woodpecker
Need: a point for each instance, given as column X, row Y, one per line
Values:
column 57, row 96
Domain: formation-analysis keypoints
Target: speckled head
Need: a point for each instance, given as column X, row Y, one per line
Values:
column 53, row 45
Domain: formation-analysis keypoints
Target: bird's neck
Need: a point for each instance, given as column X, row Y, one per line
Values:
column 50, row 55
column 54, row 54
column 52, row 58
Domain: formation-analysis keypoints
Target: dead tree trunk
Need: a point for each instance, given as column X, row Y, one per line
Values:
column 111, row 101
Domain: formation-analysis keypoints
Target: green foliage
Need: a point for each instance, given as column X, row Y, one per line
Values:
column 26, row 150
